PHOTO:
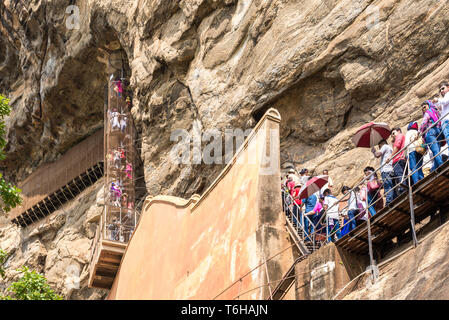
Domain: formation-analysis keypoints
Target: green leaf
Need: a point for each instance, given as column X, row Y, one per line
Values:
column 9, row 194
column 31, row 286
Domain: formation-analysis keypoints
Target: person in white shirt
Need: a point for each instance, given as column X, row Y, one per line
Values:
column 443, row 105
column 353, row 206
column 414, row 157
column 123, row 123
column 386, row 170
column 294, row 176
column 304, row 176
column 330, row 206
column 114, row 119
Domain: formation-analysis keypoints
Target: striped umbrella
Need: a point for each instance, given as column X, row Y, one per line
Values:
column 313, row 185
column 371, row 134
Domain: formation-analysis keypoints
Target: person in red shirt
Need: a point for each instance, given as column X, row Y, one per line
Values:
column 290, row 184
column 297, row 203
column 398, row 160
column 287, row 187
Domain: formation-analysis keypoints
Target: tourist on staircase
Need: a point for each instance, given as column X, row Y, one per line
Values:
column 309, row 204
column 296, row 204
column 286, row 195
column 352, row 209
column 114, row 119
column 432, row 136
column 443, row 105
column 283, row 192
column 304, row 176
column 123, row 121
column 290, row 184
column 330, row 206
column 114, row 230
column 386, row 170
column 415, row 152
column 371, row 191
column 292, row 174
column 315, row 214
column 398, row 160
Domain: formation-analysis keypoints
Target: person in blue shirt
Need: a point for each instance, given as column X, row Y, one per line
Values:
column 309, row 203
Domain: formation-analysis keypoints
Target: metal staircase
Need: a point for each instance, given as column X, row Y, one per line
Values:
column 305, row 246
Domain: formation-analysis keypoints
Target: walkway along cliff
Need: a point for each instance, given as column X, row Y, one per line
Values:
column 328, row 67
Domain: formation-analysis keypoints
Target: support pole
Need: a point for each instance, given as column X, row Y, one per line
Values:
column 76, row 185
column 63, row 193
column 88, row 176
column 303, row 225
column 81, row 178
column 32, row 210
column 412, row 210
column 370, row 241
column 42, row 213
column 93, row 170
column 45, row 205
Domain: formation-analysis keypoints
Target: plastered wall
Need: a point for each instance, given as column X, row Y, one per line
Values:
column 200, row 248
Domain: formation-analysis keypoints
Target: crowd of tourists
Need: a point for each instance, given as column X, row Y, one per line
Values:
column 413, row 155
column 119, row 160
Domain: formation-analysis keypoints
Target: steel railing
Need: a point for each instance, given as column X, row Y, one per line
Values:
column 407, row 174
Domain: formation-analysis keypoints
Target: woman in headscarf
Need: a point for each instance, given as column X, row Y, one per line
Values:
column 433, row 134
column 414, row 157
column 371, row 191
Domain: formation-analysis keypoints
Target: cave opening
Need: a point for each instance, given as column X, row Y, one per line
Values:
column 73, row 117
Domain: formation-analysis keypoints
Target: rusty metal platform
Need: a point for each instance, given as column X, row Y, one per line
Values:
column 52, row 184
column 105, row 262
column 429, row 194
column 57, row 199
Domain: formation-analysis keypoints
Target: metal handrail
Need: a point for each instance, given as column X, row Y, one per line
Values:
column 300, row 222
column 371, row 204
column 420, row 135
column 299, row 208
column 399, row 185
column 398, row 152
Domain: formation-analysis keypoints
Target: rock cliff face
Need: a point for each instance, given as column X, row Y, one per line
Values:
column 327, row 66
column 59, row 246
column 416, row 274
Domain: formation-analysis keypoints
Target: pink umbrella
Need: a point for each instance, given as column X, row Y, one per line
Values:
column 313, row 185
column 371, row 134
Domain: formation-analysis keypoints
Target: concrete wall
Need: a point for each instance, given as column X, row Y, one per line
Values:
column 196, row 248
column 326, row 271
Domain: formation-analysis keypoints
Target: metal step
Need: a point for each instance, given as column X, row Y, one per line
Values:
column 296, row 238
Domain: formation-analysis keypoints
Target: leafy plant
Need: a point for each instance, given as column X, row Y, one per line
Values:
column 3, row 257
column 9, row 194
column 31, row 286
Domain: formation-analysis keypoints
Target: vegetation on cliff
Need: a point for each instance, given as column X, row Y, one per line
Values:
column 9, row 194
column 31, row 286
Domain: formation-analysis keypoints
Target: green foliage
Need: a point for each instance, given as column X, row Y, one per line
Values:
column 31, row 286
column 5, row 109
column 3, row 257
column 9, row 194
